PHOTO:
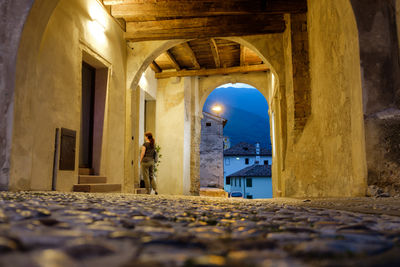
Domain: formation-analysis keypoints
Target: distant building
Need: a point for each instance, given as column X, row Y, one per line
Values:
column 211, row 151
column 244, row 155
column 253, row 181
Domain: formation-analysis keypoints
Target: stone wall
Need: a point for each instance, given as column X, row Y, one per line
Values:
column 380, row 62
column 301, row 71
column 13, row 15
column 329, row 159
column 211, row 152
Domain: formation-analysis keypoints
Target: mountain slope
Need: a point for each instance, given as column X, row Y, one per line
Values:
column 247, row 113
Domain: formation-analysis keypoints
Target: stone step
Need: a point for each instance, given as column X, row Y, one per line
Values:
column 140, row 191
column 86, row 171
column 92, row 179
column 97, row 188
column 213, row 192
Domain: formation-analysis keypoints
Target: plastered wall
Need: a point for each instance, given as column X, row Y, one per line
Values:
column 173, row 135
column 48, row 90
column 329, row 156
column 13, row 14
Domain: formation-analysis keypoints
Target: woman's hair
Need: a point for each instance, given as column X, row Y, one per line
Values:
column 149, row 136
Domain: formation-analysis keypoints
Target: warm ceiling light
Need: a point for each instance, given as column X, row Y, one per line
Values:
column 113, row 2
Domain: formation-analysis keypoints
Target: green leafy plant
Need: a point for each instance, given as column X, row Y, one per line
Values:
column 158, row 160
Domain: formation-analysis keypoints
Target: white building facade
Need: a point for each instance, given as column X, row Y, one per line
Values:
column 241, row 156
column 252, row 182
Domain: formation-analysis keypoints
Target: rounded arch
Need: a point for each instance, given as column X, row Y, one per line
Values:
column 260, row 85
column 157, row 48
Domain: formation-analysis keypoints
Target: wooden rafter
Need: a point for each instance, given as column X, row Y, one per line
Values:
column 192, row 56
column 214, row 50
column 154, row 66
column 173, row 60
column 209, row 72
column 139, row 10
column 204, row 27
column 242, row 55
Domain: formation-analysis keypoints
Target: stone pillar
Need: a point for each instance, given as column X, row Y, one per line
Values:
column 13, row 15
column 195, row 139
column 173, row 127
column 195, row 156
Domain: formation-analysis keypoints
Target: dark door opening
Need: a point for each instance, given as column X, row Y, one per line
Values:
column 87, row 116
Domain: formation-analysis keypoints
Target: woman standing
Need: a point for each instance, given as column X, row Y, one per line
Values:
column 147, row 162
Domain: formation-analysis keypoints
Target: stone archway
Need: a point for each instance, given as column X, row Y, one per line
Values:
column 23, row 25
column 333, row 72
column 263, row 83
column 265, row 46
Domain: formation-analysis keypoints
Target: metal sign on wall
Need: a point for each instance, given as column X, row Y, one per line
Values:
column 67, row 150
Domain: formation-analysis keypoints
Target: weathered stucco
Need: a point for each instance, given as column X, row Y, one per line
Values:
column 380, row 62
column 329, row 157
column 48, row 90
column 13, row 15
column 173, row 135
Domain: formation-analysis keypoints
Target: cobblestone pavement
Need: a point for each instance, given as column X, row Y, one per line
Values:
column 75, row 229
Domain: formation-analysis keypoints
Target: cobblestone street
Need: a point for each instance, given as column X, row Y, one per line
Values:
column 56, row 229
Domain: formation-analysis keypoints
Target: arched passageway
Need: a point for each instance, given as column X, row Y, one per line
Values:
column 235, row 147
column 318, row 134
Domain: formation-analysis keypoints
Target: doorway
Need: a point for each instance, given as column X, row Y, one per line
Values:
column 87, row 116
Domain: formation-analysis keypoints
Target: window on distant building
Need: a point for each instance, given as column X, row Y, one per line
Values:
column 249, row 182
column 246, row 161
column 228, row 180
column 245, row 148
column 208, row 124
column 240, row 182
column 227, row 161
column 249, row 197
column 235, row 181
column 265, row 162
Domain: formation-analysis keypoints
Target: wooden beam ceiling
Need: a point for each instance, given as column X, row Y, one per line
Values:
column 154, row 66
column 242, row 55
column 214, row 50
column 140, row 10
column 205, row 27
column 209, row 72
column 192, row 56
column 173, row 60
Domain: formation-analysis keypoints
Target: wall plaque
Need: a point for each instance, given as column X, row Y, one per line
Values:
column 67, row 150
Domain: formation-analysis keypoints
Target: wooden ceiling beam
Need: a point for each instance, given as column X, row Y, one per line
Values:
column 173, row 60
column 206, row 27
column 209, row 72
column 136, row 10
column 214, row 51
column 192, row 56
column 154, row 66
column 242, row 55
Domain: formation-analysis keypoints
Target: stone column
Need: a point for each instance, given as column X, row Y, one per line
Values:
column 195, row 155
column 13, row 15
column 379, row 54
